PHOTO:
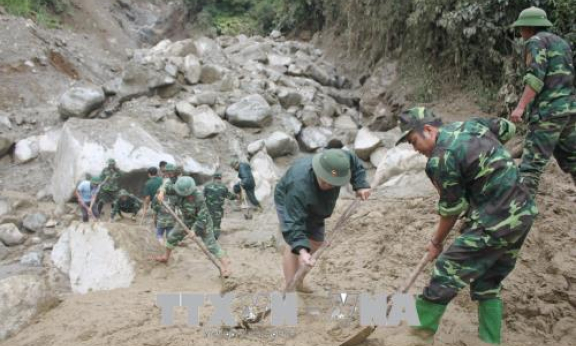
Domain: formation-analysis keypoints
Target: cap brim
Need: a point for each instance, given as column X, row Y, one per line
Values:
column 334, row 181
column 545, row 23
column 402, row 138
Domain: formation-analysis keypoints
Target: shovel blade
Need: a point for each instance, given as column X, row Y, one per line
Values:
column 359, row 337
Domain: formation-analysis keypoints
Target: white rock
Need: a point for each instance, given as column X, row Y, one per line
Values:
column 366, row 142
column 255, row 147
column 251, row 111
column 10, row 235
column 280, row 144
column 32, row 259
column 5, row 207
column 265, row 175
column 80, row 101
column 206, row 123
column 399, row 160
column 177, row 128
column 101, row 256
column 185, row 111
column 212, row 73
column 279, row 60
column 22, row 297
column 26, row 149
column 192, row 69
column 289, row 97
column 201, row 169
column 85, row 145
column 5, row 122
column 275, row 34
column 313, row 138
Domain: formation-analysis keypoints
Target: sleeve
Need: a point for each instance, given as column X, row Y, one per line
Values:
column 536, row 63
column 294, row 222
column 358, row 177
column 445, row 174
column 502, row 128
column 103, row 174
column 230, row 195
column 202, row 219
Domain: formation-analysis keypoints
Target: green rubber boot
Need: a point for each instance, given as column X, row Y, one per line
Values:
column 490, row 320
column 429, row 315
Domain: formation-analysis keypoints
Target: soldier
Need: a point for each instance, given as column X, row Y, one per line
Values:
column 110, row 186
column 305, row 196
column 164, row 221
column 246, row 182
column 125, row 203
column 184, row 196
column 473, row 173
column 549, row 99
column 216, row 193
column 150, row 188
column 86, row 193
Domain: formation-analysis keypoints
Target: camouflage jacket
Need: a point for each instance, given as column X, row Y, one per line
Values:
column 216, row 193
column 112, row 184
column 193, row 208
column 130, row 205
column 550, row 72
column 471, row 168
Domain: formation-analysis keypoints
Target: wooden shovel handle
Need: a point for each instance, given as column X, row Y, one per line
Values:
column 423, row 262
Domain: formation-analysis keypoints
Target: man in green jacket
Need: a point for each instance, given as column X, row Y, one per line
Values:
column 150, row 188
column 306, row 196
column 475, row 175
column 548, row 100
column 126, row 203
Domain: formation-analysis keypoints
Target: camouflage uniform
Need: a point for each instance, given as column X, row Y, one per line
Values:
column 472, row 171
column 552, row 114
column 164, row 220
column 109, row 190
column 196, row 217
column 130, row 205
column 216, row 193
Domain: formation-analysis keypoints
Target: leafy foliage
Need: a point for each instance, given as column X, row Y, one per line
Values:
column 44, row 11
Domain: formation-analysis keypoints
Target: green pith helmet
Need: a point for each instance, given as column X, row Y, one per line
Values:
column 332, row 166
column 217, row 175
column 185, row 186
column 413, row 118
column 123, row 193
column 170, row 167
column 532, row 16
column 95, row 180
column 111, row 162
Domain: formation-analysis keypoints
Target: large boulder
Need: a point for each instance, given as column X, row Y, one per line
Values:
column 206, row 123
column 279, row 60
column 320, row 74
column 289, row 97
column 251, row 111
column 85, row 146
column 3, row 251
column 185, row 111
column 48, row 142
column 140, row 80
column 102, row 256
column 10, row 235
column 366, row 142
column 26, row 149
column 399, row 160
column 280, row 144
column 79, row 102
column 313, row 138
column 22, row 299
column 34, row 222
column 212, row 73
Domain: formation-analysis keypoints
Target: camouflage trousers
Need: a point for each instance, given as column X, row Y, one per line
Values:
column 216, row 214
column 178, row 234
column 476, row 259
column 106, row 196
column 556, row 136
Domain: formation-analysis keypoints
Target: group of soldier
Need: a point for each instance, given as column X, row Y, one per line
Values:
column 201, row 212
column 476, row 178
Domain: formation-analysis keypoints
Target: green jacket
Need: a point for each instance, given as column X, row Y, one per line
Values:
column 151, row 187
column 473, row 172
column 549, row 72
column 112, row 176
column 216, row 193
column 304, row 205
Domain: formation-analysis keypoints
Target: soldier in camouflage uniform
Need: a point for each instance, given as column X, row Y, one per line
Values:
column 216, row 193
column 126, row 203
column 473, row 173
column 195, row 215
column 549, row 99
column 110, row 186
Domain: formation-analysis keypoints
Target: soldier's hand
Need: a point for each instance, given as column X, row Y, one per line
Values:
column 305, row 258
column 516, row 115
column 160, row 196
column 433, row 251
column 363, row 194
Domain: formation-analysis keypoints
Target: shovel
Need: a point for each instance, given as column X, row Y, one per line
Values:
column 362, row 335
column 193, row 236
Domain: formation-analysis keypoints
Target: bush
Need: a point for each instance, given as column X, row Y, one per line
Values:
column 43, row 11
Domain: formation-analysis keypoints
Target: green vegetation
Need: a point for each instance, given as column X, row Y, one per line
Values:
column 45, row 12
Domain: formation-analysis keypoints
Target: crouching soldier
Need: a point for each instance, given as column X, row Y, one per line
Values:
column 126, row 203
column 185, row 196
column 473, row 173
